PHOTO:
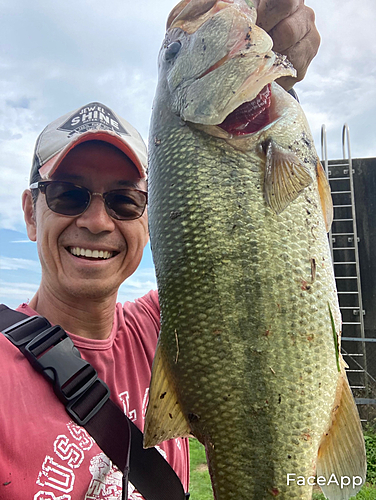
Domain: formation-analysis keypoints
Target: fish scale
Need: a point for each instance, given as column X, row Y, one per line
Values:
column 229, row 360
column 247, row 359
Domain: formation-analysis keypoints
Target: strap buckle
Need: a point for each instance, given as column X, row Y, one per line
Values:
column 53, row 354
column 25, row 330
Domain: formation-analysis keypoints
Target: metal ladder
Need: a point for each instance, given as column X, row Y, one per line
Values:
column 343, row 239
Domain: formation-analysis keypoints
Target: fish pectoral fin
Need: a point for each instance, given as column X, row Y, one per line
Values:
column 285, row 177
column 342, row 451
column 325, row 196
column 164, row 417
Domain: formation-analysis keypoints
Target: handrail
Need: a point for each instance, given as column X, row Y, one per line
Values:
column 346, row 135
column 346, row 138
column 346, row 152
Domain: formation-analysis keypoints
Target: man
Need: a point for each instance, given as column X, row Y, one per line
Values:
column 86, row 209
column 90, row 224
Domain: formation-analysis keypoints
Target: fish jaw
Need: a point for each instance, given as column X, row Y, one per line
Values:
column 227, row 59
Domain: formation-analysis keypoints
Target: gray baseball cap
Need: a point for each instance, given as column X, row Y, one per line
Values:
column 94, row 121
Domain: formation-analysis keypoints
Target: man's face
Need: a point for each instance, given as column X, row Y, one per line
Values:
column 100, row 168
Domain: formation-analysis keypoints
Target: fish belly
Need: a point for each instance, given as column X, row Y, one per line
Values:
column 246, row 328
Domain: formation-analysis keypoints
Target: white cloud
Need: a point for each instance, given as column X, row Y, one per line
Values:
column 15, row 293
column 340, row 86
column 137, row 285
column 52, row 62
column 21, row 241
column 13, row 264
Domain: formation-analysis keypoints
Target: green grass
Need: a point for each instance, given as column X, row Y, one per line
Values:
column 370, row 440
column 200, row 487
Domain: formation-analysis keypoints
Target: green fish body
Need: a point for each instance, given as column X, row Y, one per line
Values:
column 246, row 360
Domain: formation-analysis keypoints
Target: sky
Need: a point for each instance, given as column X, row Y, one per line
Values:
column 56, row 56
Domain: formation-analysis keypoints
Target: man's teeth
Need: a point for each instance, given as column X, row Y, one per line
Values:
column 95, row 254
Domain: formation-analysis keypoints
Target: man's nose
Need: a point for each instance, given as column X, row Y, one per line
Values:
column 95, row 218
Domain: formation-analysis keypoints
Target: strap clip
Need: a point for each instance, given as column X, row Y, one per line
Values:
column 25, row 330
column 53, row 354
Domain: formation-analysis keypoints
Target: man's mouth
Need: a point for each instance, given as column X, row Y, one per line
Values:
column 251, row 116
column 91, row 254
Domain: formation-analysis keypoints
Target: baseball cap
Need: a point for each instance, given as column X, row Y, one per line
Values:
column 94, row 121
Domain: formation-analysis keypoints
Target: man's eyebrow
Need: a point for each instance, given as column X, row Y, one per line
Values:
column 125, row 183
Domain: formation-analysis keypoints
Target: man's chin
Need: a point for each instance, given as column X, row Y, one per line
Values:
column 92, row 291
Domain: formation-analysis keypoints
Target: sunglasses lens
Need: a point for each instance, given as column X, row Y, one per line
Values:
column 125, row 204
column 67, row 199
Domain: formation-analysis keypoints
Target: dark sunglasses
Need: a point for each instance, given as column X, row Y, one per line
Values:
column 65, row 198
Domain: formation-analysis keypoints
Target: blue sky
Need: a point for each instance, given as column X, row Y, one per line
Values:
column 57, row 56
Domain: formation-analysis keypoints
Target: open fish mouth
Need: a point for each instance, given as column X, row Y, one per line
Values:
column 251, row 116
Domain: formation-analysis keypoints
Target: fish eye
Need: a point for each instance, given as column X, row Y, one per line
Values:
column 172, row 50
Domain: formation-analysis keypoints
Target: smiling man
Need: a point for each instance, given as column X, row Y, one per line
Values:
column 88, row 242
column 86, row 210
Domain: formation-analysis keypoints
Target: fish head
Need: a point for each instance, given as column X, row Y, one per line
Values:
column 214, row 58
column 217, row 73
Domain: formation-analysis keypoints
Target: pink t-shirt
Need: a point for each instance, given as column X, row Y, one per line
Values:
column 46, row 456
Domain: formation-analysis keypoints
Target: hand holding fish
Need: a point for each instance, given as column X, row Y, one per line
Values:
column 291, row 25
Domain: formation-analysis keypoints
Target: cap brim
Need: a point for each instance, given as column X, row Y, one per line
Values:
column 53, row 163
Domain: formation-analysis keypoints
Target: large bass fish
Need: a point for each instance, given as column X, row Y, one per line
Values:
column 248, row 358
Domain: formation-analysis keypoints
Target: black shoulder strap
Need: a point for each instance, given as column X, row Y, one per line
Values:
column 86, row 398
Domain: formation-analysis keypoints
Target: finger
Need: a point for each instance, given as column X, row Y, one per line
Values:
column 291, row 30
column 271, row 12
column 300, row 55
column 286, row 82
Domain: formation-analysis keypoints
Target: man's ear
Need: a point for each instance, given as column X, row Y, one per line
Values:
column 29, row 215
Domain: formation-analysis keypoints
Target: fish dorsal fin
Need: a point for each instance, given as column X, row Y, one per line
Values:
column 342, row 451
column 325, row 196
column 164, row 417
column 285, row 177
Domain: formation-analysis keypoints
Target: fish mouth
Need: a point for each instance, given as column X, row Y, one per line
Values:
column 251, row 116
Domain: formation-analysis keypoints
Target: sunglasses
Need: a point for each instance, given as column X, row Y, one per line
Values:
column 68, row 199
